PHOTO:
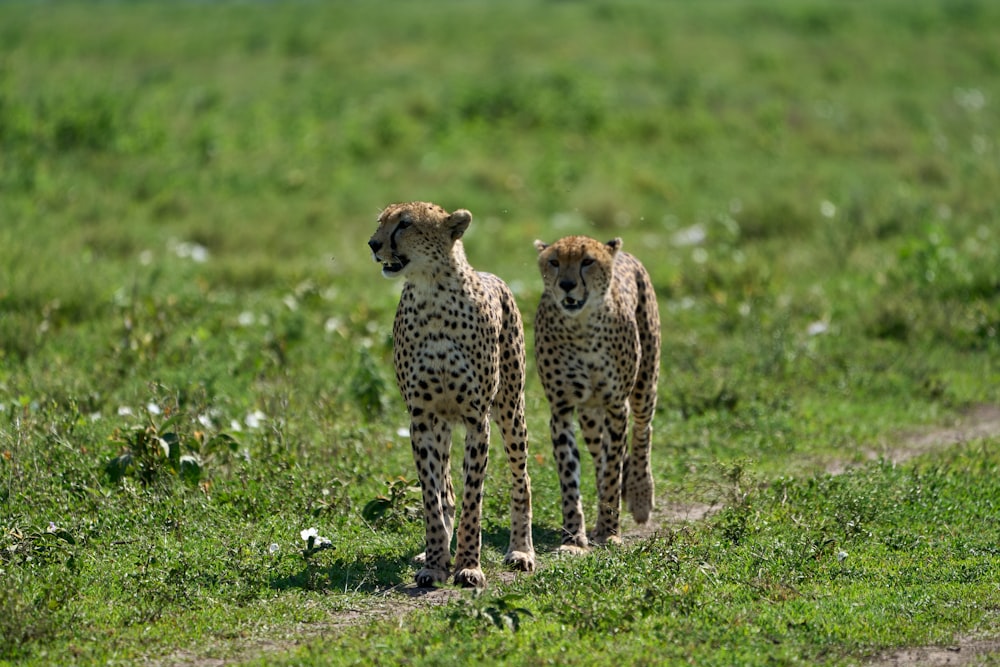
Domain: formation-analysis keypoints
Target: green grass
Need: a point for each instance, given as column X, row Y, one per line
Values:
column 185, row 194
column 799, row 571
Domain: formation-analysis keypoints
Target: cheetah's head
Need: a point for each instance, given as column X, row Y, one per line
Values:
column 577, row 270
column 415, row 235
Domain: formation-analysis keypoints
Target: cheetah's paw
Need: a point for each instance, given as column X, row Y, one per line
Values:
column 520, row 560
column 573, row 550
column 428, row 577
column 607, row 540
column 470, row 577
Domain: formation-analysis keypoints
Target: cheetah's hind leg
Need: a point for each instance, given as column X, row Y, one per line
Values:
column 637, row 483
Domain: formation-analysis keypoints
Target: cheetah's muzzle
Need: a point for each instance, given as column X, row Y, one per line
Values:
column 572, row 305
column 397, row 264
column 391, row 266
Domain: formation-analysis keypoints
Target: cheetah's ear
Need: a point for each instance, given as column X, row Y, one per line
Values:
column 540, row 245
column 458, row 222
column 614, row 245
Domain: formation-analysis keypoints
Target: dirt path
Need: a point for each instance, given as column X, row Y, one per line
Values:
column 965, row 652
column 979, row 422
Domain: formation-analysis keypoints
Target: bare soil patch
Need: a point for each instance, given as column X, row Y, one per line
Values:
column 981, row 421
column 965, row 652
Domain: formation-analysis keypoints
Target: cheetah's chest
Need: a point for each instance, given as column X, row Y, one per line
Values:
column 587, row 364
column 446, row 355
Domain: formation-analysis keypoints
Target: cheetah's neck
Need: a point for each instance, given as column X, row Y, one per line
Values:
column 453, row 274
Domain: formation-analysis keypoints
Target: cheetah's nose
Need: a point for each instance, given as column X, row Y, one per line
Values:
column 374, row 245
column 566, row 284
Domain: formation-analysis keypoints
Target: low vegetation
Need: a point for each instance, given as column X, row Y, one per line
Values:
column 202, row 450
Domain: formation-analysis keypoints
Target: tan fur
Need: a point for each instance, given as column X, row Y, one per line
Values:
column 597, row 347
column 458, row 347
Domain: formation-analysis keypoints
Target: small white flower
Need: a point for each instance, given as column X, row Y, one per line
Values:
column 827, row 208
column 205, row 421
column 818, row 327
column 153, row 408
column 970, row 99
column 689, row 236
column 307, row 533
column 246, row 318
column 403, row 432
column 52, row 527
column 841, row 556
column 255, row 419
column 192, row 251
column 235, row 425
column 273, row 549
column 199, row 253
column 125, row 411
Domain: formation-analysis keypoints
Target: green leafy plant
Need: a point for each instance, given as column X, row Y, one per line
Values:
column 158, row 449
column 500, row 612
column 54, row 544
column 400, row 505
column 148, row 452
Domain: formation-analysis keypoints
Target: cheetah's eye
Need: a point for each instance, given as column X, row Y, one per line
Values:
column 404, row 223
column 587, row 261
column 554, row 263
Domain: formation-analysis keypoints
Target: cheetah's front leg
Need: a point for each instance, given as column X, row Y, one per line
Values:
column 595, row 436
column 574, row 539
column 448, row 503
column 431, row 439
column 609, row 489
column 477, row 445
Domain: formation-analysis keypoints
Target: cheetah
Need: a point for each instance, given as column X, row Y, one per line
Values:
column 597, row 348
column 458, row 349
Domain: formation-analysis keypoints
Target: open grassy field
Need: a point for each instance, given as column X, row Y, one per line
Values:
column 195, row 350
